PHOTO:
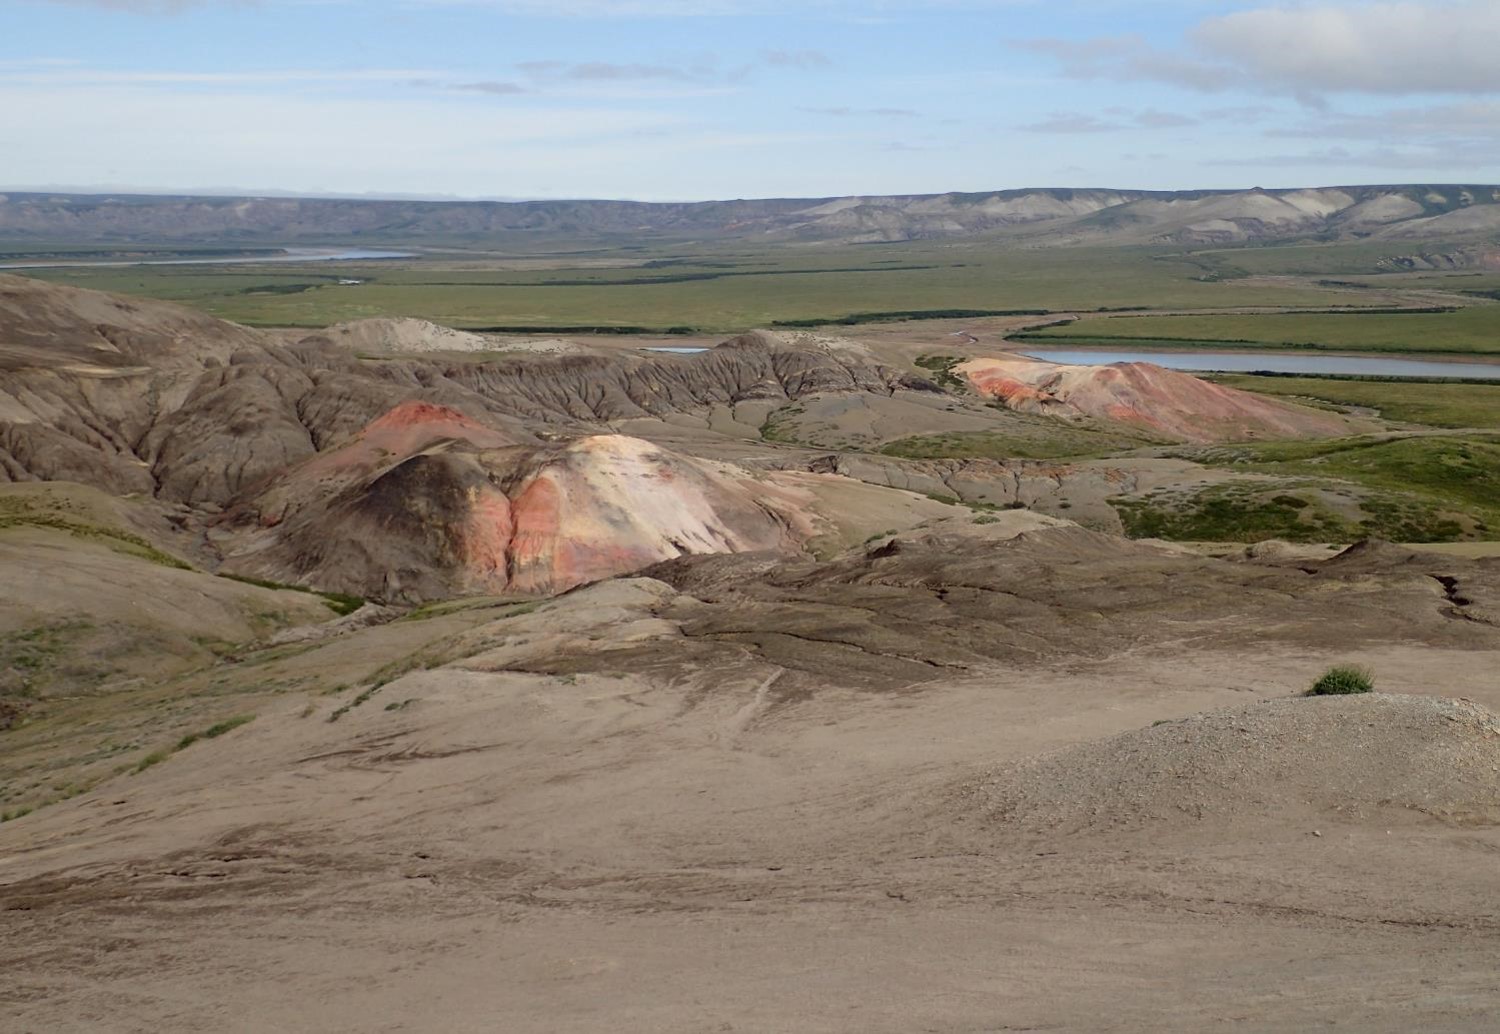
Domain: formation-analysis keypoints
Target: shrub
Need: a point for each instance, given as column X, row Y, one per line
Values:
column 1343, row 679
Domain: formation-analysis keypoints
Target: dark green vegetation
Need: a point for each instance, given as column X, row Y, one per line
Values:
column 32, row 658
column 1230, row 513
column 21, row 512
column 908, row 315
column 1461, row 474
column 213, row 732
column 338, row 602
column 1474, row 330
column 712, row 289
column 1418, row 488
column 1343, row 679
column 1433, row 403
column 1290, row 511
column 1035, row 439
column 941, row 368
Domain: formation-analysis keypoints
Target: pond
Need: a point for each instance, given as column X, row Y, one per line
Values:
column 1274, row 362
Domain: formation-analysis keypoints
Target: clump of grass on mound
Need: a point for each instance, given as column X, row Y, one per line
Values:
column 1342, row 680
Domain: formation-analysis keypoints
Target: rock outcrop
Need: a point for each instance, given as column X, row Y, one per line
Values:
column 427, row 502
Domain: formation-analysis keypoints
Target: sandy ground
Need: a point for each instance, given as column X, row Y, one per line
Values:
column 627, row 810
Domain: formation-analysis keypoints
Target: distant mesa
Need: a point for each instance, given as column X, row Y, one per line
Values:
column 1047, row 216
column 1166, row 403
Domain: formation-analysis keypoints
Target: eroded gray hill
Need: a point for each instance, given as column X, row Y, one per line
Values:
column 138, row 396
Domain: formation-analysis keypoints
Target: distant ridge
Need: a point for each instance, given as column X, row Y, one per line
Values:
column 1040, row 216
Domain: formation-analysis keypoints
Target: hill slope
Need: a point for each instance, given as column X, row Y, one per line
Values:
column 1050, row 215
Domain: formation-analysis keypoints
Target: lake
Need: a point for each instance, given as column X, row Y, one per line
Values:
column 1275, row 362
column 290, row 255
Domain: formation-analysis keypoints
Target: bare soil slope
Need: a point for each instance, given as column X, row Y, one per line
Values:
column 724, row 794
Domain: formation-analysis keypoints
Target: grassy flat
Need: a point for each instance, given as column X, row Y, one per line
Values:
column 1473, row 330
column 1434, row 403
column 1455, row 471
column 708, row 290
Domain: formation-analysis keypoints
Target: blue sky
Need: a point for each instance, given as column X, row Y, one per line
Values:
column 670, row 99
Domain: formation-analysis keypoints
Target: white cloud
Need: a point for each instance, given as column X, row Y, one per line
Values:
column 1076, row 122
column 1372, row 48
column 1472, row 120
column 1120, row 118
column 1310, row 51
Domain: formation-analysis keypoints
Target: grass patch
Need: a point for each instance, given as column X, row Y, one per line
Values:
column 338, row 602
column 1229, row 513
column 1433, row 403
column 941, row 368
column 1342, row 680
column 780, row 426
column 213, row 732
column 31, row 659
column 152, row 759
column 442, row 608
column 1474, row 330
column 362, row 698
column 1042, row 441
column 1301, row 511
column 905, row 315
column 1460, row 472
column 15, row 513
column 711, row 286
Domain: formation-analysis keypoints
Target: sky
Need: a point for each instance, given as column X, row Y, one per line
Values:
column 707, row 99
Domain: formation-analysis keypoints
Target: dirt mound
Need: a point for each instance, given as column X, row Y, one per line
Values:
column 404, row 335
column 1167, row 403
column 1282, row 762
column 1377, row 556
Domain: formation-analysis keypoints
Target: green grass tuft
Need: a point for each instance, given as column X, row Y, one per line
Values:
column 1343, row 679
column 338, row 602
